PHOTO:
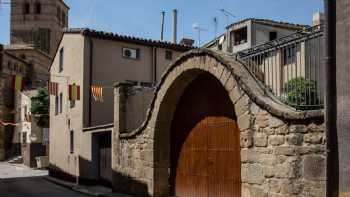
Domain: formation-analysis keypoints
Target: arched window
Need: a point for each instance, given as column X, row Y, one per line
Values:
column 26, row 8
column 38, row 8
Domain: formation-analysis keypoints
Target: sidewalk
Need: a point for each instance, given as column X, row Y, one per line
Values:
column 8, row 170
column 89, row 190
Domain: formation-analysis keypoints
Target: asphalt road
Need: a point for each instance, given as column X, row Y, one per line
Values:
column 34, row 187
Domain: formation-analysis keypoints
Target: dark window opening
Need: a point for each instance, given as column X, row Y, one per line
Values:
column 71, row 141
column 272, row 35
column 61, row 60
column 56, row 105
column 23, row 56
column 26, row 8
column 38, row 8
column 61, row 103
column 240, row 36
column 24, row 137
column 289, row 55
column 168, row 55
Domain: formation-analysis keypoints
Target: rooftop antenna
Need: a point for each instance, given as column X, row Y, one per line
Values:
column 228, row 15
column 196, row 27
column 215, row 21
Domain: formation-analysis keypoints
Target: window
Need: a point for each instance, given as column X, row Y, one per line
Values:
column 289, row 55
column 71, row 141
column 240, row 36
column 168, row 55
column 24, row 137
column 38, row 8
column 56, row 105
column 58, row 13
column 131, row 53
column 61, row 102
column 61, row 60
column 272, row 35
column 26, row 8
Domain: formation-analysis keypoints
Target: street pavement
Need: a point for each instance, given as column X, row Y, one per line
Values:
column 34, row 187
column 8, row 170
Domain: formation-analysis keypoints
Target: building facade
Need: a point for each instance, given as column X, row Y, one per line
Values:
column 36, row 29
column 89, row 58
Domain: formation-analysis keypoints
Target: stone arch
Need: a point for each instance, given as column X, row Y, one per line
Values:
column 246, row 94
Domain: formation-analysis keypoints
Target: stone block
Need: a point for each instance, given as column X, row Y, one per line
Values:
column 314, row 168
column 282, row 130
column 294, row 139
column 244, row 122
column 262, row 120
column 297, row 129
column 275, row 122
column 249, row 156
column 285, row 150
column 252, row 174
column 242, row 106
column 269, row 171
column 313, row 138
column 276, row 140
column 246, row 139
column 260, row 140
column 274, row 185
column 290, row 187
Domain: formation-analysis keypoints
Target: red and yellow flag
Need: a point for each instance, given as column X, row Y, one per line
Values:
column 17, row 82
column 97, row 93
column 74, row 92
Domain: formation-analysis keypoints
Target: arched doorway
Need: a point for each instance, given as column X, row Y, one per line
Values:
column 205, row 147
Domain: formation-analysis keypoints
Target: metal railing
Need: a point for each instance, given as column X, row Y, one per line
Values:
column 291, row 67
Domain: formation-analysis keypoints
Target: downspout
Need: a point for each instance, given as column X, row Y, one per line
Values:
column 154, row 54
column 91, row 45
column 332, row 169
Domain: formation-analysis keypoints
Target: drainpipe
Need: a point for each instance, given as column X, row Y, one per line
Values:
column 332, row 172
column 91, row 45
column 154, row 61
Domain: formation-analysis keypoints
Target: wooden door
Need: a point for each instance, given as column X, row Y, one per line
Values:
column 205, row 148
column 105, row 158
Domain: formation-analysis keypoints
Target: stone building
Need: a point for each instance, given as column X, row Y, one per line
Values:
column 80, row 130
column 39, row 23
column 36, row 29
column 210, row 129
column 11, row 66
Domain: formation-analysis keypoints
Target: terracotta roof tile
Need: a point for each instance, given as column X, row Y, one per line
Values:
column 132, row 39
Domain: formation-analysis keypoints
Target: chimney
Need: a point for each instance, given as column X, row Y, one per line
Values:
column 318, row 18
column 174, row 26
column 162, row 26
column 187, row 42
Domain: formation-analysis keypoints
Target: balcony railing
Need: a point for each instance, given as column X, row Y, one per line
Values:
column 291, row 68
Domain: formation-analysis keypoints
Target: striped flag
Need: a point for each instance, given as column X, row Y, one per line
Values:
column 53, row 88
column 74, row 92
column 97, row 93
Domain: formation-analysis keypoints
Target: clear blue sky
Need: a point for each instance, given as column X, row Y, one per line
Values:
column 141, row 18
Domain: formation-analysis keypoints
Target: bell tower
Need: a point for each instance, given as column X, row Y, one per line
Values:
column 39, row 23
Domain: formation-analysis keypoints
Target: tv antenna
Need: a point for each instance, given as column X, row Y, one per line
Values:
column 228, row 15
column 196, row 27
column 215, row 22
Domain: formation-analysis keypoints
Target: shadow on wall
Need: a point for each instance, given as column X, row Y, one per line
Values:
column 120, row 183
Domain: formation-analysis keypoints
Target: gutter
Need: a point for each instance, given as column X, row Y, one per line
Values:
column 332, row 169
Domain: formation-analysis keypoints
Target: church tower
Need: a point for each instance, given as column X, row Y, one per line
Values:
column 39, row 23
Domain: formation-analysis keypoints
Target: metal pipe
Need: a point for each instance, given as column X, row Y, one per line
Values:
column 162, row 26
column 174, row 26
column 332, row 185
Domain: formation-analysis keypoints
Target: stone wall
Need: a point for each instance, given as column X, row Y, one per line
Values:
column 282, row 150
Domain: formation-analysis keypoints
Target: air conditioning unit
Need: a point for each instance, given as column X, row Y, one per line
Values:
column 131, row 53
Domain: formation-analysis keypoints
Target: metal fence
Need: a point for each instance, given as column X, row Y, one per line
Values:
column 291, row 67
